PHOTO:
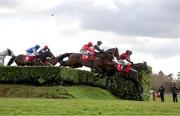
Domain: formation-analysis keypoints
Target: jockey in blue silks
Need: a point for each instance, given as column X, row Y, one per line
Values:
column 33, row 50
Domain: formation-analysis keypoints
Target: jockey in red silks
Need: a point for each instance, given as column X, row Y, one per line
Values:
column 87, row 50
column 125, row 57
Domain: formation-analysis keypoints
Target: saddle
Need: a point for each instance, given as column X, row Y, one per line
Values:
column 122, row 68
column 30, row 58
column 86, row 57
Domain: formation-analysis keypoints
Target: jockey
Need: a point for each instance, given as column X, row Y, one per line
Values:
column 45, row 49
column 87, row 50
column 125, row 57
column 42, row 51
column 97, row 46
column 33, row 50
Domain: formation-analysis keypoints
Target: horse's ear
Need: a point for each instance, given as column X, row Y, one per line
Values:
column 145, row 62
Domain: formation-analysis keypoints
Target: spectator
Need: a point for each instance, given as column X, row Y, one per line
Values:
column 174, row 94
column 161, row 91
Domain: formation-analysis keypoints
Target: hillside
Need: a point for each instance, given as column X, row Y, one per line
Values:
column 67, row 92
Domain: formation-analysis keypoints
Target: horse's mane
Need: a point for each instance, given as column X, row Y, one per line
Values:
column 106, row 54
column 103, row 55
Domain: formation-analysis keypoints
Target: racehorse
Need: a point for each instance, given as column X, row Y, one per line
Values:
column 132, row 74
column 21, row 60
column 100, row 62
column 5, row 53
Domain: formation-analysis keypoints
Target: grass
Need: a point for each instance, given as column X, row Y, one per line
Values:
column 82, row 100
column 25, row 91
column 36, row 106
column 87, row 92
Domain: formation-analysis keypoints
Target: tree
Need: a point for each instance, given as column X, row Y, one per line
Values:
column 170, row 77
column 161, row 74
column 178, row 75
column 162, row 79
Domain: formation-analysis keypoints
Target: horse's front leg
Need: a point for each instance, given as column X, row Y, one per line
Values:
column 134, row 78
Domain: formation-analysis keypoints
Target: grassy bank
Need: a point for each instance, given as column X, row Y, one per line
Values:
column 67, row 92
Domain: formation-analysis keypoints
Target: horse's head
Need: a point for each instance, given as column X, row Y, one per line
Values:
column 114, row 52
column 49, row 54
column 141, row 66
column 10, row 53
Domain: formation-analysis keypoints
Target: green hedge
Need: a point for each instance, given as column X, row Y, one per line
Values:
column 49, row 76
column 126, row 89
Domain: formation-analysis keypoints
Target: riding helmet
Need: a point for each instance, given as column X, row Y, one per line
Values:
column 37, row 46
column 90, row 44
column 45, row 47
column 99, row 42
column 128, row 52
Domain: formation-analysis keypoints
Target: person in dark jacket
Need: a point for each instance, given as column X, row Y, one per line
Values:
column 161, row 91
column 45, row 49
column 41, row 56
column 174, row 94
column 97, row 47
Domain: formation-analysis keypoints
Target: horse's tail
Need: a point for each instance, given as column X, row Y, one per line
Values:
column 11, row 61
column 64, row 56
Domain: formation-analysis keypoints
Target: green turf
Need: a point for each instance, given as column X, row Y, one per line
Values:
column 80, row 100
column 36, row 106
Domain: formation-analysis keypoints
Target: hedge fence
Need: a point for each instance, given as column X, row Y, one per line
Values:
column 49, row 76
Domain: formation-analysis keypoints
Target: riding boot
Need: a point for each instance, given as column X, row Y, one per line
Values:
column 89, row 56
column 123, row 68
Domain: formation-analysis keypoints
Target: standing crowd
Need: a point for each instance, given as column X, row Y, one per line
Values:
column 174, row 91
